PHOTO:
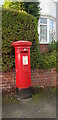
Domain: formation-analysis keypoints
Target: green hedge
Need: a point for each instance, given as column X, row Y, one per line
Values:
column 18, row 26
column 57, row 56
column 47, row 60
column 52, row 46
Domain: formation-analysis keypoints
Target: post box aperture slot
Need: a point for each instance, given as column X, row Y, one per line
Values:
column 24, row 51
column 25, row 60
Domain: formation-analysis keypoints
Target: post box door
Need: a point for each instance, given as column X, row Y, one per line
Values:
column 25, row 69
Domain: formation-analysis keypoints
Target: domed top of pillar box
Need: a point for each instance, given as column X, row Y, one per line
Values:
column 21, row 43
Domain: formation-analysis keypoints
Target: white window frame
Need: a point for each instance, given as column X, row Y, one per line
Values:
column 47, row 30
column 54, row 29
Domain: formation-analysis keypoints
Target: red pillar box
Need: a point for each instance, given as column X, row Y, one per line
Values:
column 23, row 69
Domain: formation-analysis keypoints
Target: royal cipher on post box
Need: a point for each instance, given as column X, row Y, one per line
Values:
column 22, row 62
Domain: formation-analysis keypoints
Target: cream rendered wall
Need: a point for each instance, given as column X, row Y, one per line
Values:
column 57, row 20
column 48, row 8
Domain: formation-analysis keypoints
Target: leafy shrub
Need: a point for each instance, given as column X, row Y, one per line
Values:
column 57, row 61
column 57, row 56
column 18, row 26
column 47, row 60
column 52, row 46
column 57, row 46
column 32, row 8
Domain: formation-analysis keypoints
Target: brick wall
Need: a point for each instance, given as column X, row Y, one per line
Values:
column 43, row 78
column 43, row 48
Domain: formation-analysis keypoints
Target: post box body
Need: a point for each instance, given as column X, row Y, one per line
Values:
column 22, row 62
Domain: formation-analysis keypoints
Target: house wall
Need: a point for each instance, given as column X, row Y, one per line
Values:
column 43, row 48
column 48, row 8
column 43, row 78
column 57, row 20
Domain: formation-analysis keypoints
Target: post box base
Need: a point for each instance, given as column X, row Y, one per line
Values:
column 24, row 93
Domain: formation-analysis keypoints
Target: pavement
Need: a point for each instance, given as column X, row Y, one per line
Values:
column 41, row 105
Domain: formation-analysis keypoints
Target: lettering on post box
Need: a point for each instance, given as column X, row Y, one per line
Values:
column 25, row 60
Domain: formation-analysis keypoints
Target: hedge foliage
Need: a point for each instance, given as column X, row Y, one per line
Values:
column 52, row 46
column 57, row 56
column 48, row 60
column 32, row 8
column 18, row 26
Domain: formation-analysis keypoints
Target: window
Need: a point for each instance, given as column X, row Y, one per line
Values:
column 43, row 20
column 43, row 33
column 46, row 30
column 43, row 30
column 50, row 30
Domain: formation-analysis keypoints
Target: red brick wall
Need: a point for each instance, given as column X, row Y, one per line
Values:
column 43, row 48
column 43, row 78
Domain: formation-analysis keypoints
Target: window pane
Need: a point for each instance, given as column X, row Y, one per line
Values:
column 43, row 33
column 50, row 30
column 43, row 20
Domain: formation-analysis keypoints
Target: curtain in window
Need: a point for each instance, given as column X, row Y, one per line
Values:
column 43, row 33
column 50, row 31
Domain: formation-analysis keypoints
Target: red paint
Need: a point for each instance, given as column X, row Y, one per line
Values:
column 22, row 62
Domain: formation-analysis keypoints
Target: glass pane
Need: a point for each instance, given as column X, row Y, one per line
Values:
column 50, row 30
column 50, row 23
column 43, row 33
column 43, row 20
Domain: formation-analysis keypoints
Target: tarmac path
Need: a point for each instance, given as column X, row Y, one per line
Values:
column 39, row 106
